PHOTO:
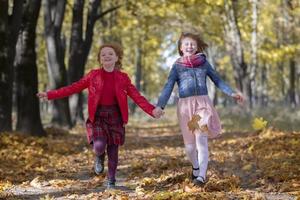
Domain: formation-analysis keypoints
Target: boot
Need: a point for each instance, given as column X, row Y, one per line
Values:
column 99, row 164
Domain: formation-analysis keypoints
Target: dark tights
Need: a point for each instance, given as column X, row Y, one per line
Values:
column 112, row 154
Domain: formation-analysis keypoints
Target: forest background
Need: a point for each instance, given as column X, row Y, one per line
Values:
column 253, row 44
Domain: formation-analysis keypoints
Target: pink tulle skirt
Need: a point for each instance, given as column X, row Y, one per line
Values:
column 202, row 106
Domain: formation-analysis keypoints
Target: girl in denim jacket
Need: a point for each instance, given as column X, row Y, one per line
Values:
column 197, row 116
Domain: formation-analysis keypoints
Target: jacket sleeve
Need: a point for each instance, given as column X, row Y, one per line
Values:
column 75, row 87
column 214, row 76
column 168, row 88
column 140, row 100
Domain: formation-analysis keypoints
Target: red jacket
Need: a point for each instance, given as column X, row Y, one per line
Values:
column 94, row 83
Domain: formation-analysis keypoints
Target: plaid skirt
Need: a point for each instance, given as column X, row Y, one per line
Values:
column 108, row 125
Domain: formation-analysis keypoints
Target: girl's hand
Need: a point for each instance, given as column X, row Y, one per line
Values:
column 42, row 95
column 158, row 112
column 239, row 97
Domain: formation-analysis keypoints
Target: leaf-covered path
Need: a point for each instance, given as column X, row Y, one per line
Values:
column 152, row 165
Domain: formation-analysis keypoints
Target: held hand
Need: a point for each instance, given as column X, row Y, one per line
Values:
column 158, row 112
column 42, row 95
column 239, row 97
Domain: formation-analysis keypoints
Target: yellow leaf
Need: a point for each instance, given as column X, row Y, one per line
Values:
column 247, row 167
column 259, row 123
column 5, row 185
column 139, row 191
column 147, row 181
column 193, row 123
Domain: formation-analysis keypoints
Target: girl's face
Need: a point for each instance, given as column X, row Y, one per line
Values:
column 108, row 57
column 188, row 46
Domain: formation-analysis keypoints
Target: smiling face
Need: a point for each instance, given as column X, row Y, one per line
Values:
column 188, row 46
column 108, row 57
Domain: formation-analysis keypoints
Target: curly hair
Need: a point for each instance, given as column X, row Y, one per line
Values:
column 118, row 50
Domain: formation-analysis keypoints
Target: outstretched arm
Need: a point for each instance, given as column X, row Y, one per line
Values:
column 168, row 88
column 140, row 100
column 214, row 76
column 67, row 90
column 158, row 112
column 238, row 97
column 42, row 95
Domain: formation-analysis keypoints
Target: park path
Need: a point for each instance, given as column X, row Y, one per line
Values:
column 153, row 166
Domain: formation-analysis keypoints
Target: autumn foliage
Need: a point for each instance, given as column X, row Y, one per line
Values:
column 243, row 165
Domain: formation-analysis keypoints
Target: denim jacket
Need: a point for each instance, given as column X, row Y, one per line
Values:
column 191, row 82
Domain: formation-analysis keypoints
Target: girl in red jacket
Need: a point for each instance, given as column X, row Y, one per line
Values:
column 108, row 88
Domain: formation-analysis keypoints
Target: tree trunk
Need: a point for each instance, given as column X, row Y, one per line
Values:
column 28, row 112
column 292, row 90
column 235, row 47
column 297, row 84
column 54, row 14
column 10, row 25
column 109, row 22
column 282, row 82
column 212, row 53
column 138, row 73
column 263, row 86
column 76, row 60
column 253, row 63
column 291, row 22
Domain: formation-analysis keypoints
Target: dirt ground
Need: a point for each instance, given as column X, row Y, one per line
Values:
column 152, row 165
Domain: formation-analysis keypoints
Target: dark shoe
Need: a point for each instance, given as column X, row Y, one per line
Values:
column 193, row 176
column 111, row 184
column 200, row 181
column 99, row 164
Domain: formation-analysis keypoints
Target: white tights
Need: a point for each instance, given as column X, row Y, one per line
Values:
column 198, row 154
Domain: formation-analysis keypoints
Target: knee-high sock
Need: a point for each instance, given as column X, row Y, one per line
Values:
column 112, row 153
column 191, row 153
column 99, row 146
column 203, row 154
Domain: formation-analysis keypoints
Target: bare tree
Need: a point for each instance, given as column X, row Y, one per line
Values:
column 138, row 72
column 28, row 112
column 254, row 62
column 235, row 47
column 291, row 39
column 10, row 25
column 54, row 11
